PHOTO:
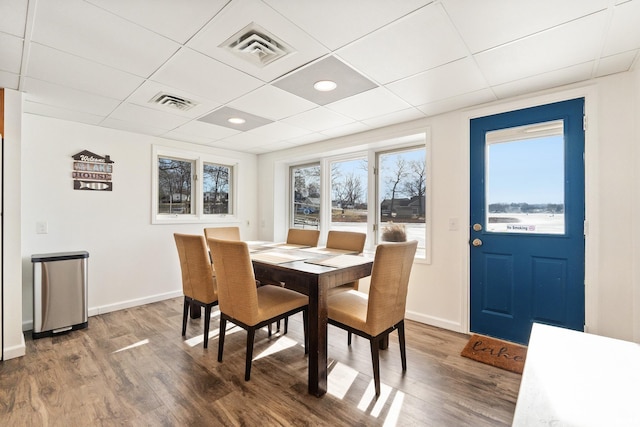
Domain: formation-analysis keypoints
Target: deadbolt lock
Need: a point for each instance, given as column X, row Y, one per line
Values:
column 477, row 227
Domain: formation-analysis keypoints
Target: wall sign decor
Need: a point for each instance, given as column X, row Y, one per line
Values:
column 92, row 172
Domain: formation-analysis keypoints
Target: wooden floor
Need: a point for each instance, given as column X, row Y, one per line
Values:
column 132, row 367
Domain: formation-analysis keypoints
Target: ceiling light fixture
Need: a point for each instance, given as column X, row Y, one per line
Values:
column 236, row 120
column 325, row 85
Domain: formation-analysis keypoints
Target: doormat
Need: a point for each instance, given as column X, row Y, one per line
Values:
column 495, row 352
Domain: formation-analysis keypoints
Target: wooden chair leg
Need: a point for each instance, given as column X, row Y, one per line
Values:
column 348, row 338
column 375, row 359
column 185, row 313
column 207, row 321
column 403, row 349
column 286, row 325
column 223, row 330
column 251, row 332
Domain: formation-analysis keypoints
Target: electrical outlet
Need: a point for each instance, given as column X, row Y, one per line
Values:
column 42, row 227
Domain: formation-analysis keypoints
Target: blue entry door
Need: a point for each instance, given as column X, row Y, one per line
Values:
column 527, row 220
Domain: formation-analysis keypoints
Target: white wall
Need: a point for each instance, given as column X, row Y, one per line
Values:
column 636, row 206
column 131, row 261
column 438, row 292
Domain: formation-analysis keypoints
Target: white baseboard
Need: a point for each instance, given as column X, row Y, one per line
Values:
column 15, row 351
column 435, row 321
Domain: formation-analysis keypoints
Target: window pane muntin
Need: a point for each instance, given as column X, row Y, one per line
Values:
column 217, row 185
column 306, row 187
column 175, row 195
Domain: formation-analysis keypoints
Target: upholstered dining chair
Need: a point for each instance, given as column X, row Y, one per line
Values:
column 246, row 305
column 379, row 313
column 346, row 241
column 297, row 236
column 225, row 233
column 198, row 281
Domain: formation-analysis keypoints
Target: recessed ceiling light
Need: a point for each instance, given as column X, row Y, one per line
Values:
column 325, row 85
column 236, row 120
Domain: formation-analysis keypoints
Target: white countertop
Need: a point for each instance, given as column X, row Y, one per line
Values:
column 572, row 378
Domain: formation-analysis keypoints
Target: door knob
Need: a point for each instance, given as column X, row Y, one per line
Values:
column 476, row 242
column 477, row 227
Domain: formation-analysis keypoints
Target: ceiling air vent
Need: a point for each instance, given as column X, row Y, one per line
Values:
column 173, row 101
column 256, row 45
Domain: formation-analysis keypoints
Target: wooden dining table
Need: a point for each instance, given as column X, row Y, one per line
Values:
column 311, row 271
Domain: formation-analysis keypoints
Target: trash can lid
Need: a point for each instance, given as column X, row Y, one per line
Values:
column 59, row 256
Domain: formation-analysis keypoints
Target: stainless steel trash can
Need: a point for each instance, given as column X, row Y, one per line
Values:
column 59, row 292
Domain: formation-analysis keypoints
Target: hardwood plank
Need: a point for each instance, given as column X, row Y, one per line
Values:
column 132, row 367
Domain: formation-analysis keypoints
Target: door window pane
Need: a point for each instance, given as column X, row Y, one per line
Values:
column 216, row 184
column 349, row 195
column 525, row 179
column 174, row 186
column 306, row 196
column 402, row 192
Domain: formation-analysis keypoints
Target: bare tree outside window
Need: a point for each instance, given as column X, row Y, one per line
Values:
column 306, row 196
column 174, row 182
column 216, row 184
column 349, row 208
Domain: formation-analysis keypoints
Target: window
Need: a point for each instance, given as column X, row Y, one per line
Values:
column 306, row 196
column 191, row 187
column 349, row 209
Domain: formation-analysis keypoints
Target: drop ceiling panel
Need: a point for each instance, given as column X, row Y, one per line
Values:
column 71, row 99
column 347, row 129
column 147, row 116
column 236, row 16
column 616, row 63
column 485, row 25
column 173, row 19
column 72, row 71
column 10, row 53
column 13, row 14
column 369, row 104
column 136, row 127
column 278, row 131
column 61, row 113
column 415, row 43
column 394, row 118
column 554, row 49
column 624, row 34
column 457, row 102
column 318, row 119
column 85, row 30
column 272, row 102
column 205, row 130
column 337, row 22
column 194, row 72
column 150, row 89
column 9, row 80
column 443, row 82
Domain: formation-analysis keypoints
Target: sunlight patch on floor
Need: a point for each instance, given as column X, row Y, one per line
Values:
column 370, row 395
column 395, row 410
column 129, row 347
column 280, row 344
column 213, row 333
column 340, row 380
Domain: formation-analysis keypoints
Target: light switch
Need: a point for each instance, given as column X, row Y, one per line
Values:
column 42, row 227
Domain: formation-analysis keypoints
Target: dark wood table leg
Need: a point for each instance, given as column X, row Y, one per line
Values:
column 383, row 344
column 195, row 311
column 317, row 340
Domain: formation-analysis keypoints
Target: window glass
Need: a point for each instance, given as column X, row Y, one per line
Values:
column 306, row 196
column 402, row 191
column 349, row 208
column 174, row 186
column 216, row 184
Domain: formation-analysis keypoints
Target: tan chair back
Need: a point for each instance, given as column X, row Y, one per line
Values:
column 224, row 233
column 389, row 283
column 198, row 282
column 346, row 240
column 237, row 294
column 297, row 236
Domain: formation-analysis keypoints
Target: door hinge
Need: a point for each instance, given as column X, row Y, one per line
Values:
column 195, row 176
column 584, row 122
column 375, row 227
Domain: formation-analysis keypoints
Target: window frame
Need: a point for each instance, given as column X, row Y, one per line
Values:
column 197, row 191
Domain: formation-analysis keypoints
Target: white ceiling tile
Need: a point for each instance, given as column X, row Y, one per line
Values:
column 337, row 22
column 369, row 104
column 170, row 18
column 486, row 24
column 136, row 127
column 307, row 139
column 318, row 119
column 238, row 141
column 560, row 47
column 10, row 53
column 272, row 102
column 61, row 113
column 208, row 131
column 239, row 14
column 347, row 129
column 72, row 71
column 150, row 89
column 179, row 136
column 147, row 116
column 60, row 96
column 624, row 31
column 278, row 131
column 194, row 72
column 393, row 118
column 457, row 102
column 82, row 29
column 13, row 15
column 616, row 63
column 548, row 80
column 418, row 42
column 9, row 80
column 443, row 82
